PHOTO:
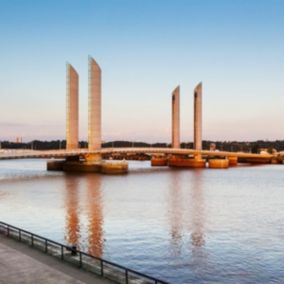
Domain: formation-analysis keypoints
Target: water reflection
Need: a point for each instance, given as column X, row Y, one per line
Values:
column 199, row 257
column 197, row 210
column 219, row 227
column 95, row 215
column 186, row 207
column 72, row 231
column 176, row 212
column 92, row 205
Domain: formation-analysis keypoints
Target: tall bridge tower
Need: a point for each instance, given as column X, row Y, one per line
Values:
column 176, row 118
column 94, row 124
column 198, row 119
column 72, row 108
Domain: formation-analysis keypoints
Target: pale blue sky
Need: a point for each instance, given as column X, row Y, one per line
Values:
column 145, row 48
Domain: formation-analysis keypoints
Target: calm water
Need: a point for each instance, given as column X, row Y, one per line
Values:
column 184, row 226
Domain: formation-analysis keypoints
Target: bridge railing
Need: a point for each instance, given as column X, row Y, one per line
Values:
column 72, row 255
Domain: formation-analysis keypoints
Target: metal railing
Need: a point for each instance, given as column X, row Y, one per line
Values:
column 70, row 254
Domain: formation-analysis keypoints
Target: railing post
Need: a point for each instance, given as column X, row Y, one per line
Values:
column 126, row 276
column 32, row 240
column 45, row 245
column 102, row 268
column 80, row 259
column 8, row 231
column 62, row 255
column 20, row 236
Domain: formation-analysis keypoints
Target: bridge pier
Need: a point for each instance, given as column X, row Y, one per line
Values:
column 75, row 164
column 233, row 161
column 275, row 161
column 186, row 162
column 218, row 163
column 159, row 161
column 55, row 165
column 93, row 158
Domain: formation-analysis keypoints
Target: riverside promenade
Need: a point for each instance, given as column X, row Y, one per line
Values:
column 27, row 257
column 21, row 264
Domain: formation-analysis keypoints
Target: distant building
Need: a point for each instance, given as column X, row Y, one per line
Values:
column 212, row 147
column 19, row 140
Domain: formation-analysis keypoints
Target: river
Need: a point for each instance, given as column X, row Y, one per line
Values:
column 183, row 226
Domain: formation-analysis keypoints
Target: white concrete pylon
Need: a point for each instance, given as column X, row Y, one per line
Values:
column 94, row 127
column 72, row 108
column 198, row 117
column 176, row 118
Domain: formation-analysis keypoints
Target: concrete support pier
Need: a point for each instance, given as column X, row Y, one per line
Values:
column 72, row 108
column 218, row 163
column 176, row 118
column 114, row 167
column 186, row 162
column 55, row 165
column 159, row 161
column 85, row 166
column 233, row 161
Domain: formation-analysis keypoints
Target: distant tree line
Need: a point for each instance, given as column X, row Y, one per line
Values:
column 233, row 146
column 35, row 145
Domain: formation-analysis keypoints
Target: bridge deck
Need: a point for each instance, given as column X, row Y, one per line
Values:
column 24, row 154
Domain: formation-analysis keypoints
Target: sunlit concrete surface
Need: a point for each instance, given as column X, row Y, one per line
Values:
column 175, row 118
column 198, row 117
column 72, row 108
column 94, row 128
column 22, row 264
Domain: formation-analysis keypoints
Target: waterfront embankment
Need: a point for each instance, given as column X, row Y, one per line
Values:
column 21, row 264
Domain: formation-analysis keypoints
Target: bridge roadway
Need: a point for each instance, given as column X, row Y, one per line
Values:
column 47, row 154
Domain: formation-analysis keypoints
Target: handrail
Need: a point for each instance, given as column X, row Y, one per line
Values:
column 126, row 271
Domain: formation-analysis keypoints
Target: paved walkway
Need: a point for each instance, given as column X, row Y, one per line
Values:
column 20, row 264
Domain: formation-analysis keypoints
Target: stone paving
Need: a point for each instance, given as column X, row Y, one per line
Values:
column 22, row 264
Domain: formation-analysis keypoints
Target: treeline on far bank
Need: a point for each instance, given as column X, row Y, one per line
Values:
column 233, row 146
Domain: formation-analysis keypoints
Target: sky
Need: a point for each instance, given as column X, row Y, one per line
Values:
column 145, row 49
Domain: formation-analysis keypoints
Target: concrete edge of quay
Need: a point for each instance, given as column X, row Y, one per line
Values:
column 79, row 266
column 53, row 268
